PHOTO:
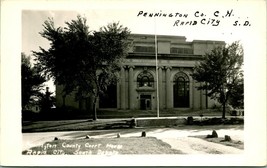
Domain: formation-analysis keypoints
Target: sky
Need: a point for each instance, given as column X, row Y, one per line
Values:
column 228, row 21
column 137, row 22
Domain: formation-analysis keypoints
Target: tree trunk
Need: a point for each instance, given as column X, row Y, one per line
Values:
column 223, row 112
column 94, row 112
column 94, row 108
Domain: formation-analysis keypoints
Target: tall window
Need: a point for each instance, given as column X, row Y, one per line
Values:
column 181, row 90
column 145, row 79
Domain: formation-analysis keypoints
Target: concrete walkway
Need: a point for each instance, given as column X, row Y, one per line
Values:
column 179, row 137
column 190, row 145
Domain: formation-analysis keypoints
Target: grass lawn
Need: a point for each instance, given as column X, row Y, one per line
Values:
column 103, row 146
column 109, row 113
column 113, row 115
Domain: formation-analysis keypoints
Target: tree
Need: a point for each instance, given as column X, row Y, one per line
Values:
column 81, row 60
column 220, row 73
column 236, row 99
column 31, row 81
column 46, row 100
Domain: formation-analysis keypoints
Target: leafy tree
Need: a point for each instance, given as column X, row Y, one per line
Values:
column 220, row 73
column 31, row 81
column 236, row 99
column 46, row 101
column 81, row 60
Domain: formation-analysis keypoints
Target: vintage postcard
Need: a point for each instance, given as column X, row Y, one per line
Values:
column 133, row 83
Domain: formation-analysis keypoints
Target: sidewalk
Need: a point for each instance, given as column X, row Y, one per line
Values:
column 177, row 137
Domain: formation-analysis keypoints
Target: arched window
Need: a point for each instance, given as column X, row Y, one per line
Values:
column 181, row 90
column 145, row 79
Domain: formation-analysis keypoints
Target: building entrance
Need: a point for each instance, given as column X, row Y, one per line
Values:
column 181, row 91
column 145, row 102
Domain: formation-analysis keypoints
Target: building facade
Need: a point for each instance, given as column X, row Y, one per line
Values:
column 143, row 87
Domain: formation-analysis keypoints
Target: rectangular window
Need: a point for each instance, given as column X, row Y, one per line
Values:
column 144, row 49
column 175, row 50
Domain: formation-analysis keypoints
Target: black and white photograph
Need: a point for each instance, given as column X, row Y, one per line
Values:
column 115, row 83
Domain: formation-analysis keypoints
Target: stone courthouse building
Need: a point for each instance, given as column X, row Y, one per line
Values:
column 139, row 87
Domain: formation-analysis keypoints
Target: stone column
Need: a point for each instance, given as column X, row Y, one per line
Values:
column 168, row 87
column 122, row 92
column 118, row 95
column 131, row 88
column 201, row 97
column 160, row 87
column 193, row 94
